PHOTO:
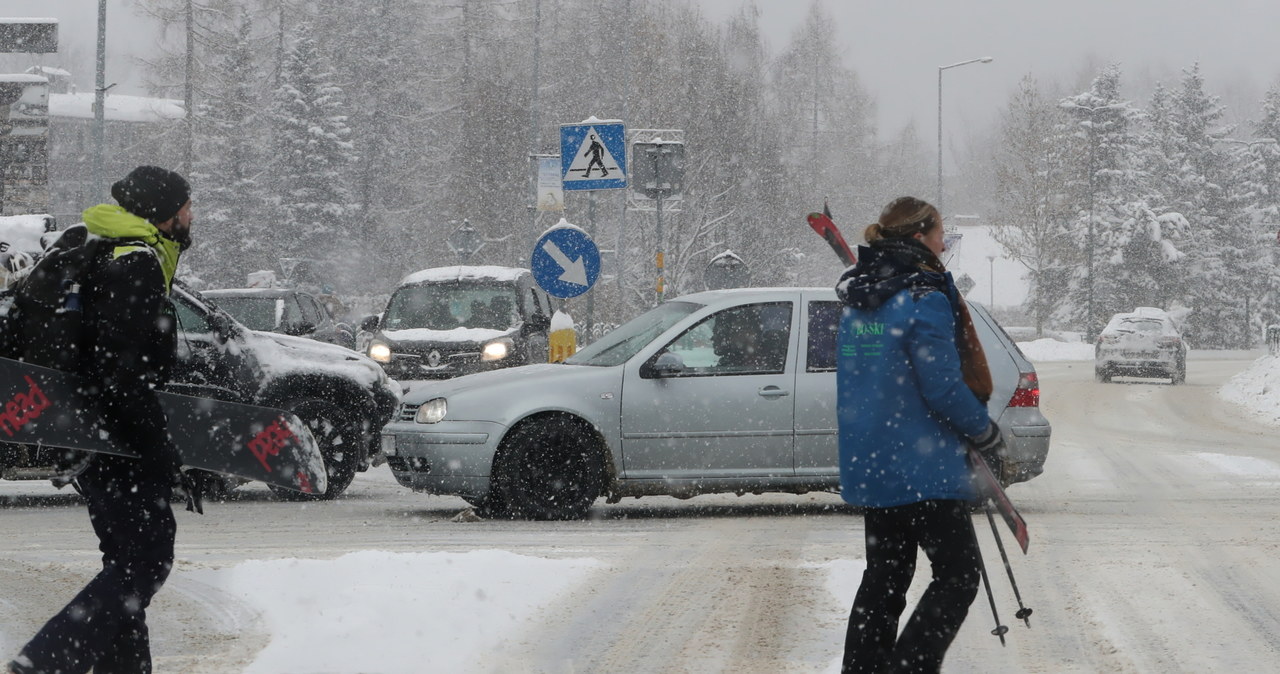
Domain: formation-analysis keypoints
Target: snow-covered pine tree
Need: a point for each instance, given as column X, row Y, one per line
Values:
column 1102, row 182
column 1224, row 256
column 1258, row 162
column 228, row 162
column 1031, row 218
column 313, row 155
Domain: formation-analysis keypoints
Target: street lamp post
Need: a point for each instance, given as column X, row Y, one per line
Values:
column 984, row 59
column 991, row 280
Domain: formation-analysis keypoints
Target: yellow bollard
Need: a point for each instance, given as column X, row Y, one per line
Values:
column 563, row 338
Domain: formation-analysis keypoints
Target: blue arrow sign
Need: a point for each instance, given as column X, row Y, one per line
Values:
column 593, row 156
column 565, row 261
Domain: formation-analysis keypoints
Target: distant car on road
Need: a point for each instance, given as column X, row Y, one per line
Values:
column 450, row 321
column 289, row 312
column 1142, row 343
column 719, row 391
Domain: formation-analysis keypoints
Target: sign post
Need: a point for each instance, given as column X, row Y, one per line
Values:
column 593, row 156
column 659, row 174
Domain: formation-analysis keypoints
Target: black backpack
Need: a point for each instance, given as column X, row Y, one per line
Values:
column 45, row 323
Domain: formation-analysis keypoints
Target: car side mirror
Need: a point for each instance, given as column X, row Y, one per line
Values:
column 665, row 365
column 370, row 323
column 223, row 326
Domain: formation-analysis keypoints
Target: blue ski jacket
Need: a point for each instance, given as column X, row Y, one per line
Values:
column 903, row 407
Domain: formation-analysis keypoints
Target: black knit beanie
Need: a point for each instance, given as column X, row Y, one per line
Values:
column 152, row 193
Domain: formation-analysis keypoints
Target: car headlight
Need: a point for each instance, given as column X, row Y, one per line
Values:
column 380, row 352
column 496, row 350
column 432, row 411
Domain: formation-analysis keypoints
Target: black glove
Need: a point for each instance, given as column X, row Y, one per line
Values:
column 191, row 485
column 989, row 445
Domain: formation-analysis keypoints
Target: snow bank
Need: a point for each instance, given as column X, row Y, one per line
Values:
column 1047, row 350
column 394, row 612
column 1257, row 390
column 117, row 107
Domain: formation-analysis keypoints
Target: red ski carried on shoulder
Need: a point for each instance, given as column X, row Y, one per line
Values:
column 826, row 228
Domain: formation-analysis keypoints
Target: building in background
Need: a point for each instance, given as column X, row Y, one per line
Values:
column 24, row 136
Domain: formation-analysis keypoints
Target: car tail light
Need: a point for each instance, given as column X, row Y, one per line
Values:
column 1107, row 339
column 1169, row 341
column 1028, row 392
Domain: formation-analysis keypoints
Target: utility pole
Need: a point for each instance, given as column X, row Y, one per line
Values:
column 984, row 59
column 187, row 89
column 99, row 105
column 534, row 137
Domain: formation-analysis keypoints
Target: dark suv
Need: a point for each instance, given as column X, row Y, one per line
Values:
column 450, row 321
column 283, row 310
column 342, row 397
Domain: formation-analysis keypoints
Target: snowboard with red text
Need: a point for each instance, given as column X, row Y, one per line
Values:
column 45, row 408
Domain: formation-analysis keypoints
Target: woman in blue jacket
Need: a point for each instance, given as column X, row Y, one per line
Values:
column 912, row 386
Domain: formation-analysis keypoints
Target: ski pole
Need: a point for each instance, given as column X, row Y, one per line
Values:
column 1024, row 613
column 1000, row 630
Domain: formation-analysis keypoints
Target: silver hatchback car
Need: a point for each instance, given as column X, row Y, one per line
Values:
column 720, row 391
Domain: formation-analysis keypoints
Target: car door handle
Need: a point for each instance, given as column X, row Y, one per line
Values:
column 772, row 392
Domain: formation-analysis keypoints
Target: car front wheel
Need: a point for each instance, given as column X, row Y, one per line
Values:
column 1102, row 374
column 339, row 440
column 548, row 469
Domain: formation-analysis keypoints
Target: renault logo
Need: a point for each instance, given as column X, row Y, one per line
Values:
column 433, row 358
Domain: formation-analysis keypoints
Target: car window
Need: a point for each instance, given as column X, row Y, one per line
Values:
column 190, row 319
column 824, row 326
column 292, row 313
column 749, row 339
column 310, row 312
column 256, row 313
column 618, row 345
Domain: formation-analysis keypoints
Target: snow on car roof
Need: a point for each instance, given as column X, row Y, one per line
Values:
column 460, row 273
column 23, row 232
column 246, row 292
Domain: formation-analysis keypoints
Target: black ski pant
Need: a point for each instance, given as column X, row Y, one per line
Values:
column 944, row 529
column 104, row 627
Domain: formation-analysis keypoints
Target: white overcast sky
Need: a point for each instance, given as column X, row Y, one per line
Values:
column 896, row 46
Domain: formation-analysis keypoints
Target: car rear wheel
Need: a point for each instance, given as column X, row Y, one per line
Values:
column 548, row 469
column 1102, row 374
column 339, row 441
column 1179, row 375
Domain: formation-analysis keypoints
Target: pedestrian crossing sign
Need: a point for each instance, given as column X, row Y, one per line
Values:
column 593, row 155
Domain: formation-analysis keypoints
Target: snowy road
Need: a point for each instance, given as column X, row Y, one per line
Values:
column 1155, row 548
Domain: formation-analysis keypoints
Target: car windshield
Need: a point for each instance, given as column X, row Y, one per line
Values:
column 445, row 306
column 256, row 313
column 619, row 345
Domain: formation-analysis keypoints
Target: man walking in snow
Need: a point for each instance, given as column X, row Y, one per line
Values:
column 129, row 345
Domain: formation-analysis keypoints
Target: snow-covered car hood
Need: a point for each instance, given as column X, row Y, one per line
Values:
column 456, row 335
column 284, row 355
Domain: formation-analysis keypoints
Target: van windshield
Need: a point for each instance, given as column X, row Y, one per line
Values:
column 445, row 306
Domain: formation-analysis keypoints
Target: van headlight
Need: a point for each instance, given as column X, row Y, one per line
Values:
column 380, row 352
column 432, row 411
column 497, row 349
